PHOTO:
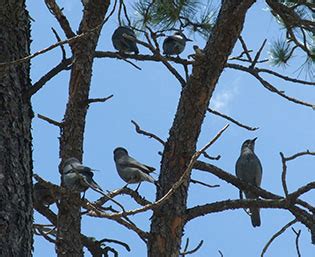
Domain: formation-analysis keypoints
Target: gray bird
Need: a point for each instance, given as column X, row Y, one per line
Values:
column 130, row 170
column 175, row 44
column 123, row 44
column 42, row 195
column 249, row 169
column 78, row 177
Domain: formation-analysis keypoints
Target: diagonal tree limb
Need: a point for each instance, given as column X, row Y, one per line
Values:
column 232, row 120
column 148, row 134
column 61, row 18
column 267, row 85
column 63, row 65
column 170, row 192
column 206, row 167
column 277, row 234
column 63, row 51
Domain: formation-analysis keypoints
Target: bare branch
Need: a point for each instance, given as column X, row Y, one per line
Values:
column 267, row 85
column 240, row 57
column 283, row 175
column 140, row 57
column 39, row 231
column 183, row 254
column 220, row 206
column 202, row 183
column 169, row 193
column 246, row 51
column 297, row 233
column 121, row 56
column 26, row 58
column 302, row 190
column 213, row 158
column 278, row 233
column 91, row 244
column 111, row 13
column 254, row 62
column 307, row 152
column 164, row 60
column 63, row 65
column 289, row 203
column 124, row 191
column 63, row 51
column 148, row 134
column 61, row 18
column 99, row 100
column 207, row 167
column 202, row 166
column 127, row 247
column 47, row 49
column 51, row 121
column 286, row 77
column 94, row 212
column 232, row 120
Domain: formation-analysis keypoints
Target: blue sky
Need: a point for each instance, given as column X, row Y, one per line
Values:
column 150, row 97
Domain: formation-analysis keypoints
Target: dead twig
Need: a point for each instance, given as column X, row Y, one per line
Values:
column 232, row 120
column 148, row 134
column 277, row 234
column 186, row 251
column 169, row 193
column 202, row 183
column 51, row 121
column 297, row 233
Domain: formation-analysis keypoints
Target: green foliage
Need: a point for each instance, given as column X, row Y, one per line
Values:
column 177, row 14
column 280, row 52
column 297, row 18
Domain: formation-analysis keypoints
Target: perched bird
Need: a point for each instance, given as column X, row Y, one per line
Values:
column 175, row 44
column 42, row 195
column 249, row 169
column 78, row 177
column 122, row 43
column 130, row 170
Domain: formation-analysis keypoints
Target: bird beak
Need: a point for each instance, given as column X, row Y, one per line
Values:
column 187, row 39
column 254, row 139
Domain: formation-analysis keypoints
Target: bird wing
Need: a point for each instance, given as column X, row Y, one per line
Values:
column 248, row 168
column 95, row 186
column 132, row 163
column 81, row 168
column 147, row 177
column 238, row 169
column 259, row 172
column 87, row 176
column 126, row 42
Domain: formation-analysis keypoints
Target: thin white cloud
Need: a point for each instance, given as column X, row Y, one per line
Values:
column 222, row 98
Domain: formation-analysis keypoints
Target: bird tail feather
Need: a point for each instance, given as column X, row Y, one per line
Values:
column 147, row 177
column 255, row 217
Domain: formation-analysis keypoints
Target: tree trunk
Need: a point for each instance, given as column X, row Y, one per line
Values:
column 71, row 142
column 16, row 206
column 168, row 222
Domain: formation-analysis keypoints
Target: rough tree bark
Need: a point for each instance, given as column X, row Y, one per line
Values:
column 16, row 207
column 168, row 221
column 71, row 141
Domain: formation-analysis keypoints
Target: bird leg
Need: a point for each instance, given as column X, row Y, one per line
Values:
column 241, row 195
column 138, row 187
